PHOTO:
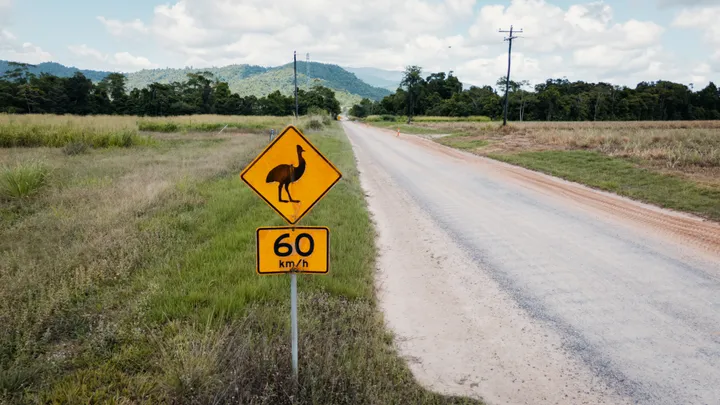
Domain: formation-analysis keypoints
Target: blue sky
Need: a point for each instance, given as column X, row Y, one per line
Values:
column 620, row 41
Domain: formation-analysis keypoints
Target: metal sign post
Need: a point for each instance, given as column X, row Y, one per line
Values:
column 294, row 323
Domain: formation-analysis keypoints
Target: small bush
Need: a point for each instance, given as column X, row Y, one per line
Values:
column 158, row 126
column 22, row 181
column 327, row 120
column 314, row 110
column 315, row 124
column 75, row 148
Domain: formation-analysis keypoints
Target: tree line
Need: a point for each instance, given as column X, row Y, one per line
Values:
column 22, row 92
column 555, row 100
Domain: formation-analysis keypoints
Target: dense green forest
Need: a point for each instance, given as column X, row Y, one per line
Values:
column 245, row 80
column 555, row 100
column 22, row 92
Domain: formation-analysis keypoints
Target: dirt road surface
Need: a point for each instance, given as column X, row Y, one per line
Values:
column 519, row 288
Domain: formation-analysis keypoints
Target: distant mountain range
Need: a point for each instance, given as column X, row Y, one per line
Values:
column 57, row 69
column 246, row 80
column 387, row 79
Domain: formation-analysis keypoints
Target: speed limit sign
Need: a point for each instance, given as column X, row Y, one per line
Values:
column 301, row 249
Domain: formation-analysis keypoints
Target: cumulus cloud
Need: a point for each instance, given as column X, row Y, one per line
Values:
column 705, row 19
column 5, row 9
column 119, row 61
column 120, row 28
column 549, row 28
column 583, row 41
column 14, row 50
column 686, row 2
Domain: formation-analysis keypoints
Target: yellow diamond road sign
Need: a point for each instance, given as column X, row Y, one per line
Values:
column 291, row 175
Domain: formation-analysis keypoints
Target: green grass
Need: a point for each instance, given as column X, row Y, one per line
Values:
column 402, row 118
column 477, row 118
column 460, row 141
column 187, row 320
column 22, row 180
column 210, row 123
column 407, row 129
column 13, row 135
column 622, row 177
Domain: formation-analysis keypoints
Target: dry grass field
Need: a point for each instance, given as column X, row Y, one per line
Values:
column 127, row 275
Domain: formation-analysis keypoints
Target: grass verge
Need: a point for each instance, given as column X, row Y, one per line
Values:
column 407, row 129
column 401, row 118
column 622, row 177
column 463, row 142
column 168, row 309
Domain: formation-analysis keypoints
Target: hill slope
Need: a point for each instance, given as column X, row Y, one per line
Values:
column 243, row 79
column 259, row 81
column 386, row 79
column 59, row 70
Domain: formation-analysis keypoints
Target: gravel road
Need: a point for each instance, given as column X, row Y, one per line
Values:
column 519, row 288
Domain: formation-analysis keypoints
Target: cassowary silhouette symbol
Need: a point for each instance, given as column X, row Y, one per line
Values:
column 286, row 174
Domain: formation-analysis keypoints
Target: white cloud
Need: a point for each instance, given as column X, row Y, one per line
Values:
column 120, row 28
column 84, row 50
column 686, row 2
column 119, row 61
column 548, row 28
column 705, row 19
column 14, row 50
column 5, row 12
column 582, row 41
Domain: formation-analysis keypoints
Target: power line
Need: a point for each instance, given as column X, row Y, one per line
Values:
column 507, row 79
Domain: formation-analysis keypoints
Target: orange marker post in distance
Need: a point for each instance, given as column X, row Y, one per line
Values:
column 398, row 132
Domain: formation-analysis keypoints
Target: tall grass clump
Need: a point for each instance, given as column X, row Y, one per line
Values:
column 75, row 148
column 326, row 120
column 158, row 126
column 30, row 135
column 315, row 124
column 23, row 180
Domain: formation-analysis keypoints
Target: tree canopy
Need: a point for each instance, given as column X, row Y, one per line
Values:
column 554, row 100
column 201, row 93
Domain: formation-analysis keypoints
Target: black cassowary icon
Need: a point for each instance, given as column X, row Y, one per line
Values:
column 286, row 174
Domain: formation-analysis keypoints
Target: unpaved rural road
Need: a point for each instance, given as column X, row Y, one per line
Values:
column 518, row 288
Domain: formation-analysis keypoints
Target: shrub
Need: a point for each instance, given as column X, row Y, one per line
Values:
column 158, row 126
column 314, row 110
column 315, row 124
column 23, row 180
column 75, row 148
column 327, row 120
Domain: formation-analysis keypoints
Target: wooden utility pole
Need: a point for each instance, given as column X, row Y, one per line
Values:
column 507, row 79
